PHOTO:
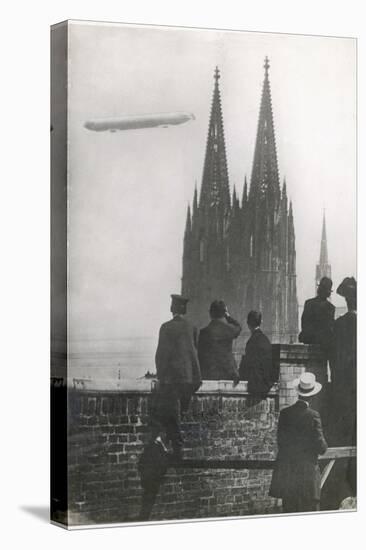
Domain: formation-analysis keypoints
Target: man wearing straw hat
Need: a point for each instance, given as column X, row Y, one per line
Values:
column 296, row 477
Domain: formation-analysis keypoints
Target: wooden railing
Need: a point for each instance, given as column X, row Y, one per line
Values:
column 331, row 455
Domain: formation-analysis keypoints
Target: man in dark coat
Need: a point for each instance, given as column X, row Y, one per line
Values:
column 344, row 365
column 178, row 373
column 215, row 345
column 317, row 320
column 342, row 428
column 256, row 364
column 296, row 477
column 317, row 325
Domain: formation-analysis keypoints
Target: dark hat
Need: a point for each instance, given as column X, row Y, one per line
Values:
column 179, row 304
column 178, row 299
column 348, row 288
column 218, row 309
column 325, row 283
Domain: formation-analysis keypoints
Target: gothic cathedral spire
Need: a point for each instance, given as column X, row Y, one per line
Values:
column 242, row 252
column 215, row 181
column 265, row 179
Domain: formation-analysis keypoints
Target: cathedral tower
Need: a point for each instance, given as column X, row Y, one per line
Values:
column 205, row 256
column 242, row 251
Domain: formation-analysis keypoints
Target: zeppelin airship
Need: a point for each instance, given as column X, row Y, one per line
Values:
column 135, row 122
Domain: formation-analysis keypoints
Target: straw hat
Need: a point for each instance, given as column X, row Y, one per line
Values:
column 307, row 385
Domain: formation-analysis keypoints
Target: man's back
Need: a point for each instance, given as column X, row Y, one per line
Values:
column 317, row 321
column 176, row 356
column 215, row 350
column 300, row 441
column 256, row 365
column 300, row 436
column 344, row 378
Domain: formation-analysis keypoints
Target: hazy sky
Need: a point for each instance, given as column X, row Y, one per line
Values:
column 129, row 190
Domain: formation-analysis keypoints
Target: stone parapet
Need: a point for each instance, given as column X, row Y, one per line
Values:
column 108, row 425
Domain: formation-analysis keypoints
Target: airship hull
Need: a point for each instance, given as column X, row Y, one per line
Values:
column 136, row 122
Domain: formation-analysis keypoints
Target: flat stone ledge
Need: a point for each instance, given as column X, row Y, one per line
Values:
column 146, row 386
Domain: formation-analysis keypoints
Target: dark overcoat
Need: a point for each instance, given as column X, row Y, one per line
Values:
column 300, row 441
column 317, row 322
column 215, row 354
column 256, row 365
column 176, row 355
column 343, row 387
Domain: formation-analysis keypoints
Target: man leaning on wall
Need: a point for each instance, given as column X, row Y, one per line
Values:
column 256, row 364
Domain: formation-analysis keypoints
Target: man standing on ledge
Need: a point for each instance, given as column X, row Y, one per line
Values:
column 317, row 320
column 178, row 374
column 296, row 477
column 215, row 345
column 317, row 325
column 256, row 365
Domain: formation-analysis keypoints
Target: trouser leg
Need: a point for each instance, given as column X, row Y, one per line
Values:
column 165, row 414
column 298, row 504
column 289, row 505
column 185, row 399
column 148, row 500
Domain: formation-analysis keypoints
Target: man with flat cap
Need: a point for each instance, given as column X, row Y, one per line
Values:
column 317, row 321
column 344, row 363
column 317, row 325
column 256, row 364
column 178, row 373
column 342, row 429
column 215, row 345
column 296, row 476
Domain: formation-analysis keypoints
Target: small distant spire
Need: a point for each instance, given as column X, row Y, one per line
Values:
column 323, row 259
column 323, row 268
column 217, row 74
column 266, row 66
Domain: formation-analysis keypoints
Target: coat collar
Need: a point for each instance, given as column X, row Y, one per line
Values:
column 256, row 332
column 302, row 403
column 178, row 318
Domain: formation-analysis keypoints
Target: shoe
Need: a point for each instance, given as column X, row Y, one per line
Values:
column 159, row 441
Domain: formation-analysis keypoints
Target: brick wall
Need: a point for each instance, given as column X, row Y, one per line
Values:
column 108, row 426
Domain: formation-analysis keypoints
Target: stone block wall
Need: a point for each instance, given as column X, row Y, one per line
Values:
column 108, row 427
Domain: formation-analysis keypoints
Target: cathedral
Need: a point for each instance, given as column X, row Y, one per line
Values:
column 242, row 250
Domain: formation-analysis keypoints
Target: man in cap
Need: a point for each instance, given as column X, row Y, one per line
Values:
column 317, row 320
column 342, row 429
column 296, row 477
column 317, row 325
column 178, row 374
column 345, row 332
column 215, row 345
column 256, row 364
column 344, row 364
